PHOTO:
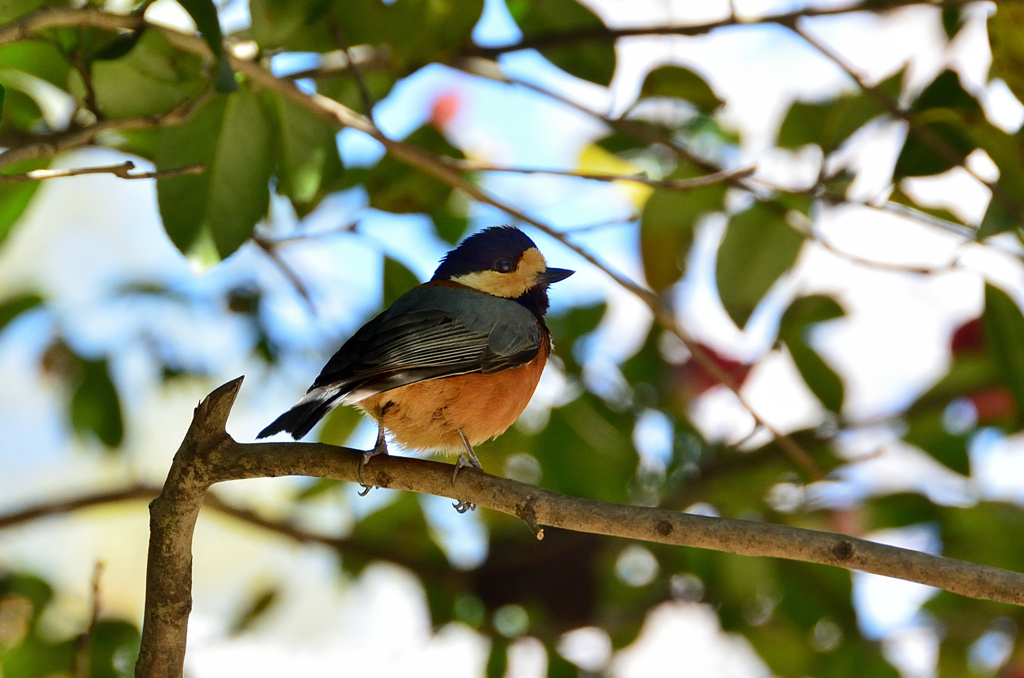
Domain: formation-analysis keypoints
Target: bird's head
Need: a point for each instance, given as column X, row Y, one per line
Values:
column 501, row 261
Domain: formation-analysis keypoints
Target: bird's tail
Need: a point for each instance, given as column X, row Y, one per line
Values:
column 305, row 414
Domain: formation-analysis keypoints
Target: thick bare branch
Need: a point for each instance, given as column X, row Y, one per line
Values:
column 208, row 455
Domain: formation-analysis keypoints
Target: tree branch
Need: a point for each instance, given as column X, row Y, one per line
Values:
column 121, row 170
column 209, row 455
column 669, row 184
column 605, row 34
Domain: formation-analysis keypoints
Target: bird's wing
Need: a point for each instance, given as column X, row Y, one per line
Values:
column 432, row 331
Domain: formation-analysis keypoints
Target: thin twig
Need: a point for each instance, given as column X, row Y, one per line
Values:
column 670, row 184
column 64, row 141
column 952, row 265
column 338, row 33
column 269, row 247
column 83, row 644
column 605, row 34
column 121, row 170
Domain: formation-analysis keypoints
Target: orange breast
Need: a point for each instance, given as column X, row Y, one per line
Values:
column 427, row 415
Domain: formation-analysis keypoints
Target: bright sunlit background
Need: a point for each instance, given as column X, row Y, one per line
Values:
column 84, row 238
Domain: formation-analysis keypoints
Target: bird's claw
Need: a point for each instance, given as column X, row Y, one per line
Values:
column 463, row 506
column 381, row 447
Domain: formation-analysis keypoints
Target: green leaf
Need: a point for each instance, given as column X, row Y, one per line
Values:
column 306, row 159
column 666, row 227
column 113, row 649
column 152, row 78
column 394, row 186
column 592, row 60
column 95, row 406
column 1005, row 26
column 204, row 13
column 947, row 92
column 3, row 95
column 12, row 9
column 12, row 308
column 339, row 425
column 937, row 143
column 258, row 606
column 14, row 198
column 794, row 329
column 998, row 219
column 397, row 280
column 680, row 83
column 39, row 58
column 827, row 124
column 231, row 137
column 758, row 248
column 1004, row 331
column 928, row 432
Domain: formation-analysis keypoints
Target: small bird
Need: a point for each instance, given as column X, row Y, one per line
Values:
column 453, row 362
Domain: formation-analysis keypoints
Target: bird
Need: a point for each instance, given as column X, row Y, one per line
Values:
column 451, row 363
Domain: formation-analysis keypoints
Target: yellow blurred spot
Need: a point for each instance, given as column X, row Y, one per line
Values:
column 596, row 160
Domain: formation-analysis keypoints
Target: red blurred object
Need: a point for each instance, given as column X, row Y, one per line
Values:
column 995, row 404
column 445, row 108
column 693, row 379
column 969, row 337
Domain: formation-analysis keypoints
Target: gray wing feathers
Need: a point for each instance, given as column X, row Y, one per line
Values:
column 428, row 333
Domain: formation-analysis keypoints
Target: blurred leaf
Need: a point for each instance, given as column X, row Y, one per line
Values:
column 667, row 227
column 15, row 306
column 305, row 153
column 398, row 524
column 757, row 249
column 680, row 83
column 928, row 432
column 231, row 136
column 275, row 23
column 592, row 60
column 397, row 280
column 998, row 219
column 829, row 123
column 339, row 425
column 567, row 328
column 39, row 58
column 947, row 92
column 1004, row 330
column 899, row 510
column 950, row 21
column 449, row 224
column 12, row 9
column 152, row 78
column 394, row 186
column 1005, row 27
column 95, row 406
column 113, row 649
column 497, row 660
column 793, row 330
column 14, row 198
column 939, row 142
column 257, row 606
column 204, row 13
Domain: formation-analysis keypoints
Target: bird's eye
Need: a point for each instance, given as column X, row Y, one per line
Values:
column 503, row 266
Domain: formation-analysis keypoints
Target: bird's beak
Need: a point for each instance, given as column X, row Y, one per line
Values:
column 553, row 275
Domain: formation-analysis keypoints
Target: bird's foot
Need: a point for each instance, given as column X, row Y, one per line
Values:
column 467, row 460
column 380, row 447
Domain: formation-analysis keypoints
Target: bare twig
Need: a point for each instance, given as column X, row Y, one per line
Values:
column 670, row 184
column 269, row 247
column 83, row 644
column 209, row 455
column 605, row 34
column 64, row 141
column 338, row 33
column 121, row 170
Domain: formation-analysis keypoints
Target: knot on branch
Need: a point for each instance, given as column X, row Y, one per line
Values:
column 843, row 550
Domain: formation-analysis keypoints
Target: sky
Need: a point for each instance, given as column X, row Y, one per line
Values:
column 78, row 246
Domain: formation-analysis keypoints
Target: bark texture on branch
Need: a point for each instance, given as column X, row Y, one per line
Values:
column 209, row 455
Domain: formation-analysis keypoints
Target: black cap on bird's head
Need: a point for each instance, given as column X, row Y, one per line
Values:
column 503, row 261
